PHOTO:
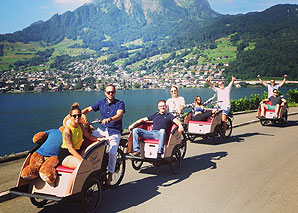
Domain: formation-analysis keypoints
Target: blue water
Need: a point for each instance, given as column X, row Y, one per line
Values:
column 22, row 115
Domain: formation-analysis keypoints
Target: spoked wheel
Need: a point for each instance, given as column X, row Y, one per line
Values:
column 119, row 169
column 90, row 195
column 285, row 118
column 176, row 161
column 191, row 137
column 218, row 135
column 264, row 122
column 39, row 202
column 136, row 164
column 229, row 127
column 183, row 145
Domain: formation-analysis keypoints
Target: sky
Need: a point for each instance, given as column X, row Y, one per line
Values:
column 16, row 15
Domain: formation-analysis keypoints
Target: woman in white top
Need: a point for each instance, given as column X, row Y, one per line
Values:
column 176, row 103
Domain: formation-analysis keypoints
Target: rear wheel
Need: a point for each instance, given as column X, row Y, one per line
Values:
column 229, row 127
column 176, row 161
column 136, row 164
column 39, row 202
column 119, row 169
column 91, row 195
column 218, row 135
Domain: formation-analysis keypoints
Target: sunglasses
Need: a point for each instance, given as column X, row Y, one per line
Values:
column 172, row 91
column 110, row 92
column 75, row 116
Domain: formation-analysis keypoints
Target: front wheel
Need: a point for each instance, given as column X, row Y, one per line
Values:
column 183, row 146
column 39, row 202
column 191, row 137
column 136, row 164
column 176, row 161
column 91, row 195
column 119, row 169
column 218, row 135
column 264, row 122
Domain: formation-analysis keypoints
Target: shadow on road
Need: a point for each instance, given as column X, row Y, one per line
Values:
column 232, row 139
column 140, row 191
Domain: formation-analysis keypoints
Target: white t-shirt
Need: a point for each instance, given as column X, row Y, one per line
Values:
column 175, row 103
column 223, row 96
column 271, row 88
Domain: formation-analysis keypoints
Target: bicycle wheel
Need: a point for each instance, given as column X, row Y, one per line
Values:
column 229, row 127
column 176, row 160
column 183, row 146
column 39, row 202
column 136, row 164
column 91, row 195
column 218, row 135
column 119, row 169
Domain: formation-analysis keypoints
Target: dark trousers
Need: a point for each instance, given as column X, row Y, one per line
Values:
column 203, row 116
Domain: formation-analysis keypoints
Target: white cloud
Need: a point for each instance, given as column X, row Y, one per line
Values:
column 63, row 5
column 74, row 2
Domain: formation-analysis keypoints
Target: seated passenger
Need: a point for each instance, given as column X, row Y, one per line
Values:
column 199, row 113
column 70, row 152
column 276, row 102
column 161, row 122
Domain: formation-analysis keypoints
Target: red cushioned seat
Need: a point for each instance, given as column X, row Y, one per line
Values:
column 64, row 169
column 269, row 110
column 149, row 126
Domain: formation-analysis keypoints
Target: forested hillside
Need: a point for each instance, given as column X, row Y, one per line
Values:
column 187, row 32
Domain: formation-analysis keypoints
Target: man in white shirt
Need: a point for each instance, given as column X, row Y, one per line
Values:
column 272, row 85
column 223, row 98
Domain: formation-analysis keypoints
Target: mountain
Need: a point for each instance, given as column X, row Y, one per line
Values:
column 119, row 20
column 132, row 32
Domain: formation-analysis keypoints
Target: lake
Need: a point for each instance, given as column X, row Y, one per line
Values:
column 24, row 114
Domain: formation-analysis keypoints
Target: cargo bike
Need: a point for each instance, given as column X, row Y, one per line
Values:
column 212, row 127
column 86, row 182
column 173, row 145
column 270, row 118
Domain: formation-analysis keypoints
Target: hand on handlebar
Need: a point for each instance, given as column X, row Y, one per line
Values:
column 106, row 120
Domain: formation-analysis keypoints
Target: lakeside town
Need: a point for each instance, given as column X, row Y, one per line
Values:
column 92, row 75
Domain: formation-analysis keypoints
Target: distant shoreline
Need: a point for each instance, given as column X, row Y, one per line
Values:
column 250, row 84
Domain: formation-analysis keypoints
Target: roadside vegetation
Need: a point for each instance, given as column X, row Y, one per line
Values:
column 252, row 103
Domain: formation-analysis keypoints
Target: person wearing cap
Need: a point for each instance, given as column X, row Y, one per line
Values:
column 272, row 85
column 276, row 102
column 223, row 98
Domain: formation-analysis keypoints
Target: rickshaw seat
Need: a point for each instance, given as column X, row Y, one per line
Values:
column 64, row 169
column 149, row 126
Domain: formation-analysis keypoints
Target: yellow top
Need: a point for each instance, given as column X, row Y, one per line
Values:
column 76, row 137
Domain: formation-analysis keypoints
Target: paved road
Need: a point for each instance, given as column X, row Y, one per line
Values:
column 255, row 170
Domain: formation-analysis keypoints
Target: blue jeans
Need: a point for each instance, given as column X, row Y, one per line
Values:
column 159, row 135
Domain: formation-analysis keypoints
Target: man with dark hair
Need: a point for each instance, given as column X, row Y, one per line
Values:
column 272, row 85
column 111, row 112
column 276, row 103
column 161, row 122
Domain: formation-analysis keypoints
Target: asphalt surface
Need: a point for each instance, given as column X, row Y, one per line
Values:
column 255, row 170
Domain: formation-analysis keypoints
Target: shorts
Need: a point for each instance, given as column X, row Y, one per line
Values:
column 226, row 111
column 271, row 107
column 63, row 153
